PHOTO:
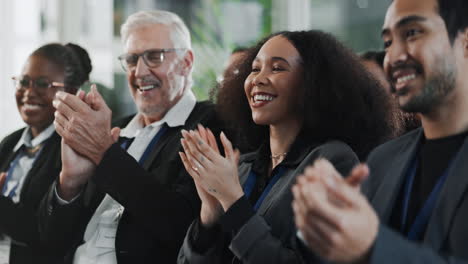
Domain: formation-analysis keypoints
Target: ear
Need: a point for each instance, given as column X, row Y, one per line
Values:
column 465, row 42
column 187, row 62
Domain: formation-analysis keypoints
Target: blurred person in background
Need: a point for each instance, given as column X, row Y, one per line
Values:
column 30, row 157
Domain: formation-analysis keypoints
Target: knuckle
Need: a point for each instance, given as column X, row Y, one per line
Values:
column 335, row 239
column 65, row 96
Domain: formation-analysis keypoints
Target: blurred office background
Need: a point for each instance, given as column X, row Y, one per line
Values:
column 217, row 27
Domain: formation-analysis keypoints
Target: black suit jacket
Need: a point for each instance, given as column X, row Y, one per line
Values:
column 159, row 197
column 19, row 220
column 446, row 237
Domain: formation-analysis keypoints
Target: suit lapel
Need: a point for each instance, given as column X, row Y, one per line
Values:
column 386, row 194
column 165, row 138
column 44, row 159
column 8, row 160
column 285, row 182
column 449, row 200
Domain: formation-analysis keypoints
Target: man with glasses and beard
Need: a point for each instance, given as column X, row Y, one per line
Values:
column 417, row 186
column 123, row 196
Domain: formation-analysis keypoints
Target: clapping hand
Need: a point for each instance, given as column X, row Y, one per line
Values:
column 76, row 168
column 216, row 175
column 84, row 122
column 335, row 219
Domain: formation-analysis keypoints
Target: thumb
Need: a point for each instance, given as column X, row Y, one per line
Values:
column 97, row 102
column 81, row 94
column 236, row 156
column 357, row 176
column 115, row 132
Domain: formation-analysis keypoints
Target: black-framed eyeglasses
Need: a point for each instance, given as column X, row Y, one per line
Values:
column 21, row 83
column 153, row 58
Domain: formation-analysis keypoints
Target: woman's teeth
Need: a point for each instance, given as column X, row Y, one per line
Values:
column 31, row 107
column 261, row 97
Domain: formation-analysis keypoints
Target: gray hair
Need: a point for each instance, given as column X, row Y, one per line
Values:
column 180, row 34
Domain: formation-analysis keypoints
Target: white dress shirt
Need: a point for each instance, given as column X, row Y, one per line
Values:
column 19, row 168
column 99, row 237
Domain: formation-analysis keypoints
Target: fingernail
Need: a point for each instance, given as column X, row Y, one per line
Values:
column 60, row 94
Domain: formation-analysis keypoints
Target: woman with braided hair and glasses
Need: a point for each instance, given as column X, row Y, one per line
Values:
column 30, row 157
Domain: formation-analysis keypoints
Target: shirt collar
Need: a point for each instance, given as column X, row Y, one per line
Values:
column 176, row 116
column 27, row 140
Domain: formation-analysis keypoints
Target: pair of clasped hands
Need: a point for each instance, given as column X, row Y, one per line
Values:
column 84, row 123
column 334, row 219
column 216, row 176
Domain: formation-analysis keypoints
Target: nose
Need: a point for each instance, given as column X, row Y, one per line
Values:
column 260, row 78
column 141, row 68
column 29, row 91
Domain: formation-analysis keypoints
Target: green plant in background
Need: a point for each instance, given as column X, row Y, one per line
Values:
column 212, row 45
column 208, row 46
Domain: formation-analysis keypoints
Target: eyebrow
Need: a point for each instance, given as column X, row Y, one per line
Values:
column 279, row 59
column 405, row 21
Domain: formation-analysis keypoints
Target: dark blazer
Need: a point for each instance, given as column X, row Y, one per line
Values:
column 269, row 236
column 159, row 197
column 19, row 220
column 446, row 237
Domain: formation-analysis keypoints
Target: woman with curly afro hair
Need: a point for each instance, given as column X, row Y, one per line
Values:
column 298, row 97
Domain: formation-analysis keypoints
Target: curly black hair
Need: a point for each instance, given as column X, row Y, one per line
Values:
column 340, row 99
column 72, row 58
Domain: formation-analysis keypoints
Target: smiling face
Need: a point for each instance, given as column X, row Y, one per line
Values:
column 156, row 90
column 419, row 59
column 274, row 85
column 35, row 107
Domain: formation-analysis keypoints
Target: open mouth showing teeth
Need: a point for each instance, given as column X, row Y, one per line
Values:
column 31, row 107
column 146, row 87
column 262, row 98
column 406, row 78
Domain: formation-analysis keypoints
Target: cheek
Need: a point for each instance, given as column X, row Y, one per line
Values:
column 18, row 97
column 248, row 86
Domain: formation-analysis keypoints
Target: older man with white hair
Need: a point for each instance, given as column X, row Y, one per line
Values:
column 123, row 196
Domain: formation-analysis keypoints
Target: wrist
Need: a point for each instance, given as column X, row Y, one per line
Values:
column 99, row 154
column 209, row 216
column 67, row 190
column 231, row 199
